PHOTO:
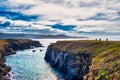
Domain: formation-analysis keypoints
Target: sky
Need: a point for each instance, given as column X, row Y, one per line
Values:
column 69, row 17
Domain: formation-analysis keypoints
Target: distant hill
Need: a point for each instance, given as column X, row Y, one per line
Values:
column 34, row 36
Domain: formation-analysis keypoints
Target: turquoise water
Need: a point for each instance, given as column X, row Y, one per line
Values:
column 29, row 65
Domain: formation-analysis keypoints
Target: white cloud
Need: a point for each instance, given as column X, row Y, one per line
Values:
column 23, row 1
column 93, row 25
column 54, row 11
column 68, row 12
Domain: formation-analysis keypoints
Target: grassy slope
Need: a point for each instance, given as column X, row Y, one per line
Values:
column 105, row 56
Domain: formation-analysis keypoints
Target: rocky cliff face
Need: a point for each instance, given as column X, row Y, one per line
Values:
column 18, row 44
column 4, row 69
column 74, row 66
column 9, row 47
column 85, row 60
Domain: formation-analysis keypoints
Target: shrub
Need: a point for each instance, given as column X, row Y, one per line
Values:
column 118, row 76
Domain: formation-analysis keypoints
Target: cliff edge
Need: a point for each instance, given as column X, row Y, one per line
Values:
column 9, row 47
column 86, row 59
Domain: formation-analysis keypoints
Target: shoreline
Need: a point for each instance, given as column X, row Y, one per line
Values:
column 9, row 47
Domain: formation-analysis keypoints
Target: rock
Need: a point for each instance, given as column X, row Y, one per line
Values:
column 9, row 47
column 73, row 66
column 33, row 50
column 41, row 50
column 85, row 59
column 23, row 44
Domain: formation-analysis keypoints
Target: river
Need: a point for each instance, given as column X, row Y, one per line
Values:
column 29, row 65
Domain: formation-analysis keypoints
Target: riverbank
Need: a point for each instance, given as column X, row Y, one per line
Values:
column 9, row 47
column 86, row 59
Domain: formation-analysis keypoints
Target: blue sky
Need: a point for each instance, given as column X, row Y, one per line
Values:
column 70, row 17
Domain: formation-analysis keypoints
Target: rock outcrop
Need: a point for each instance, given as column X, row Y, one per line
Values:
column 73, row 65
column 18, row 44
column 9, row 47
column 85, row 60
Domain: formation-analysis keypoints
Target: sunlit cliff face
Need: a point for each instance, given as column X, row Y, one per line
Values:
column 69, row 17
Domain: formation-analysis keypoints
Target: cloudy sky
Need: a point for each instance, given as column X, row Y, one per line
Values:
column 70, row 17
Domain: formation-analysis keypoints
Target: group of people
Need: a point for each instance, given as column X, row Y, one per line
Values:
column 101, row 39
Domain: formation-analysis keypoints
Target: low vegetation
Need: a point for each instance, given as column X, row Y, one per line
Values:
column 2, row 44
column 105, row 63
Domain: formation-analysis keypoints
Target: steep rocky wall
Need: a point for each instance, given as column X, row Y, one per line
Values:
column 9, row 47
column 86, row 59
column 74, row 66
column 4, row 69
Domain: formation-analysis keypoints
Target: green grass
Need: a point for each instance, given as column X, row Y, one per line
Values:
column 105, row 56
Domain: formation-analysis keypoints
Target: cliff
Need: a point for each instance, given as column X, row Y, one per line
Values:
column 9, row 47
column 86, row 59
